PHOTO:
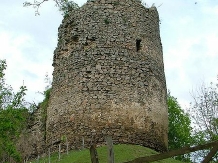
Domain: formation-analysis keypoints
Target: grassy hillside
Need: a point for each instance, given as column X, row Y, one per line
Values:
column 122, row 153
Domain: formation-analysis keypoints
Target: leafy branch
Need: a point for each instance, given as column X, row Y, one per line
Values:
column 65, row 6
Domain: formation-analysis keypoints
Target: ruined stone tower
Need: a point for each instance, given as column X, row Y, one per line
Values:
column 109, row 77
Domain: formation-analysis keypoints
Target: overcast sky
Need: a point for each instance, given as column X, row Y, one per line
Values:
column 189, row 33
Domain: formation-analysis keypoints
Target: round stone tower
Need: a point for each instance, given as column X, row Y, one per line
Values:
column 109, row 77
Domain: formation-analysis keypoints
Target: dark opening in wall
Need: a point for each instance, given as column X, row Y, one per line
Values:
column 91, row 39
column 138, row 44
column 75, row 38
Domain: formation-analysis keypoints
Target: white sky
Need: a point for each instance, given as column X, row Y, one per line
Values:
column 189, row 34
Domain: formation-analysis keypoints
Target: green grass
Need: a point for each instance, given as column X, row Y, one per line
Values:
column 122, row 153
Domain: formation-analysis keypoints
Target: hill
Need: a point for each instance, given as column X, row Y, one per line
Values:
column 122, row 153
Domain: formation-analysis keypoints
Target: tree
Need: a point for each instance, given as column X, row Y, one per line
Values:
column 204, row 111
column 13, row 115
column 65, row 6
column 179, row 127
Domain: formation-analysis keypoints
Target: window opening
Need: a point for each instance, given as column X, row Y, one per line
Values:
column 138, row 44
column 75, row 38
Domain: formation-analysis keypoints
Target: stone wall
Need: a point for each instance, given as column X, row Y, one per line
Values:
column 109, row 77
column 32, row 140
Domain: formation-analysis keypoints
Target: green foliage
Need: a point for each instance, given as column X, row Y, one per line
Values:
column 106, row 21
column 9, row 99
column 13, row 115
column 204, row 111
column 63, row 138
column 5, row 91
column 179, row 127
column 2, row 68
column 12, row 121
column 46, row 94
column 65, row 6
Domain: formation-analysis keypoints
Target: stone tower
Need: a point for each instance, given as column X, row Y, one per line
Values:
column 109, row 77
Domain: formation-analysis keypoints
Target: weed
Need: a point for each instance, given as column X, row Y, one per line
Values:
column 106, row 21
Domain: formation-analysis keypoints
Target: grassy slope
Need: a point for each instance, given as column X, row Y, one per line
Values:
column 122, row 153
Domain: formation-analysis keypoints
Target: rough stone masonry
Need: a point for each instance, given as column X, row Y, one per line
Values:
column 109, row 77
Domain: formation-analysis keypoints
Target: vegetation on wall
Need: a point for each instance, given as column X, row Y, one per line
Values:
column 106, row 21
column 65, row 6
column 43, row 106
